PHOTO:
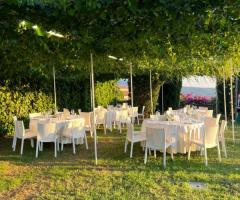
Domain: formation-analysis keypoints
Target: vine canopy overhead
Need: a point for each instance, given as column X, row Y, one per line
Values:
column 173, row 38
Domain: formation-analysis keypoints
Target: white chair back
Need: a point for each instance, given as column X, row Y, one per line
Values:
column 143, row 109
column 19, row 128
column 210, row 121
column 77, row 123
column 161, row 118
column 100, row 107
column 218, row 118
column 211, row 135
column 124, row 116
column 202, row 108
column 130, row 131
column 100, row 116
column 222, row 129
column 209, row 113
column 14, row 122
column 33, row 125
column 124, row 106
column 169, row 112
column 211, row 132
column 66, row 111
column 110, row 107
column 14, row 119
column 155, row 138
column 154, row 117
column 46, row 130
column 133, row 111
column 34, row 115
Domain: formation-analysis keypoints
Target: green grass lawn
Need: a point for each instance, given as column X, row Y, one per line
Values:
column 116, row 176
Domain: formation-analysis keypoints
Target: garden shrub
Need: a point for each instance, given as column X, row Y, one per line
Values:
column 171, row 95
column 190, row 99
column 20, row 102
column 220, row 94
column 141, row 92
column 107, row 93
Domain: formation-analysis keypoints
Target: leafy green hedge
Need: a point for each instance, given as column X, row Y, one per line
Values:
column 20, row 102
column 171, row 95
column 73, row 93
column 107, row 93
column 141, row 92
column 220, row 94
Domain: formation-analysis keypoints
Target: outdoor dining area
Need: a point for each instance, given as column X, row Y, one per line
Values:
column 175, row 131
column 133, row 99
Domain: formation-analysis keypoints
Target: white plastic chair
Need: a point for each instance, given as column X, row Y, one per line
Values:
column 88, row 121
column 208, row 140
column 110, row 117
column 100, row 118
column 122, row 118
column 133, row 113
column 141, row 114
column 66, row 113
column 47, row 132
column 22, row 133
column 157, row 140
column 133, row 137
column 222, row 137
column 75, row 130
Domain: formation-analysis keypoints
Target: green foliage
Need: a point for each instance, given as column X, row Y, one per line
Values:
column 20, row 102
column 107, row 93
column 73, row 93
column 141, row 92
column 171, row 95
column 220, row 93
column 177, row 37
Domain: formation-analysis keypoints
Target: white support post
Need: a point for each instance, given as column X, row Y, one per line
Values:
column 151, row 98
column 162, row 100
column 232, row 110
column 236, row 97
column 131, row 84
column 54, row 90
column 91, row 95
column 224, row 96
column 93, row 104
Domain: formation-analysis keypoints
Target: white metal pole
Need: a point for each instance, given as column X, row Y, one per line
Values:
column 150, row 78
column 93, row 104
column 232, row 110
column 162, row 100
column 54, row 90
column 131, row 84
column 216, row 101
column 91, row 91
column 224, row 96
column 236, row 97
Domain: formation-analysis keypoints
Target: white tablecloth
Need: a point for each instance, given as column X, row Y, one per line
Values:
column 179, row 129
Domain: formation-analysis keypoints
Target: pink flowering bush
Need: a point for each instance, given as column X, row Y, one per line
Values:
column 195, row 100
